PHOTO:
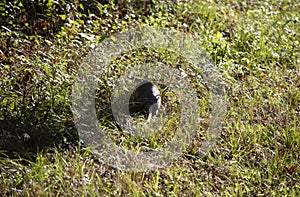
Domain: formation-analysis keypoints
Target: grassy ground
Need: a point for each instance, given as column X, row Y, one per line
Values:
column 256, row 46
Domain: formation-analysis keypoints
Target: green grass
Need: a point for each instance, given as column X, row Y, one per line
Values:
column 255, row 45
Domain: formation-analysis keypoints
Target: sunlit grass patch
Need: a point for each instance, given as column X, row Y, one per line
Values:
column 254, row 44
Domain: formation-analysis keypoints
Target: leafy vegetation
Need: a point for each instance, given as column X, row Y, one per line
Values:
column 255, row 45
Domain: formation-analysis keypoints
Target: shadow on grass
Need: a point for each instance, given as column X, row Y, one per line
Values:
column 21, row 138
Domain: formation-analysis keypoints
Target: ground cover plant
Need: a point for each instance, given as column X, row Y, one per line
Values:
column 254, row 44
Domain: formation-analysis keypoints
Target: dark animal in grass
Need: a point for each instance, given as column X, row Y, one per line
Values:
column 145, row 100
